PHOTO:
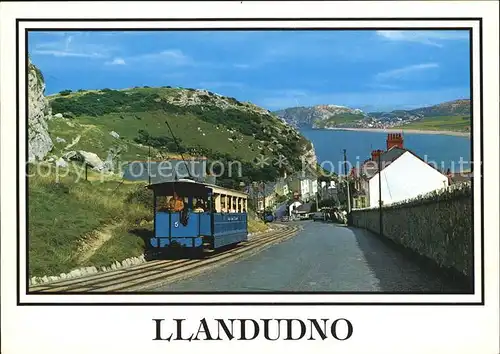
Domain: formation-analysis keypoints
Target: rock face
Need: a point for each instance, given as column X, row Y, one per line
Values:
column 310, row 155
column 39, row 141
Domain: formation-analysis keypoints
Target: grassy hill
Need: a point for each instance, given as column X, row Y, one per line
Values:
column 339, row 120
column 448, row 123
column 205, row 124
column 75, row 223
column 451, row 116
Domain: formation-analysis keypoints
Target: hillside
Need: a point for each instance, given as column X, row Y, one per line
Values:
column 451, row 116
column 78, row 219
column 123, row 124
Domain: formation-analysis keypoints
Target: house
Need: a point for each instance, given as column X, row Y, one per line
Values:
column 404, row 175
column 263, row 194
column 456, row 178
column 327, row 190
column 281, row 187
column 306, row 186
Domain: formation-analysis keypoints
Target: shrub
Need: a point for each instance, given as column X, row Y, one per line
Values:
column 65, row 92
column 141, row 195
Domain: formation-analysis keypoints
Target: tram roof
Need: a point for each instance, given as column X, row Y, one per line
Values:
column 193, row 188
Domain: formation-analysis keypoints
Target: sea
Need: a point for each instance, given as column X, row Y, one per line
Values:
column 441, row 151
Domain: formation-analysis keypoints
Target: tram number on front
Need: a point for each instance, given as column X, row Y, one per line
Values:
column 176, row 224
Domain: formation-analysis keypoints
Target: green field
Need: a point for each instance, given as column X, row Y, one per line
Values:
column 95, row 135
column 448, row 123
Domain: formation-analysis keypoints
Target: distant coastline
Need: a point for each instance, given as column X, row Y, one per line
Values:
column 407, row 131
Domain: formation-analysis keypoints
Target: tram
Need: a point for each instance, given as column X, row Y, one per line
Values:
column 198, row 216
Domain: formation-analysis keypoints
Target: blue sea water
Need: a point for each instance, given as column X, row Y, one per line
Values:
column 444, row 151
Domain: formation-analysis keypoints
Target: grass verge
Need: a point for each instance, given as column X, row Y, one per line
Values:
column 64, row 213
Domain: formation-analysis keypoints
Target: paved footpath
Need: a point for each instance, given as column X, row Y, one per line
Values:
column 322, row 257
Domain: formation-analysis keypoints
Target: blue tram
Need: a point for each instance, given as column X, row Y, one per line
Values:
column 197, row 216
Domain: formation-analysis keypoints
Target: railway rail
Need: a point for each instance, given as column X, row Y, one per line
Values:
column 156, row 273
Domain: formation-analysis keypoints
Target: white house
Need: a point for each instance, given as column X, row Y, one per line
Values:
column 304, row 188
column 404, row 176
column 314, row 186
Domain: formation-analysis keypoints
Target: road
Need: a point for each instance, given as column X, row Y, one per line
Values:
column 322, row 257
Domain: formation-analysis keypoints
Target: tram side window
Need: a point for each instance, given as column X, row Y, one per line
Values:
column 169, row 203
column 199, row 206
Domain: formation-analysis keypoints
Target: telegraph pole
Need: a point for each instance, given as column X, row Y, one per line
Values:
column 347, row 182
column 380, row 193
column 264, row 197
column 149, row 164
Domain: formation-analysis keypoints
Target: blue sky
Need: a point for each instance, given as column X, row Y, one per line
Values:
column 371, row 70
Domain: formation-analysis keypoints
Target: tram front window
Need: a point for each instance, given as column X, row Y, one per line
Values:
column 199, row 206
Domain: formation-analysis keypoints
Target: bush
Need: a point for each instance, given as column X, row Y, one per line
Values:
column 65, row 92
column 141, row 195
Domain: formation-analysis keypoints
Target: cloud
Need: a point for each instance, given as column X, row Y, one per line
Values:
column 383, row 86
column 171, row 57
column 116, row 61
column 170, row 54
column 174, row 75
column 405, row 72
column 424, row 37
column 241, row 66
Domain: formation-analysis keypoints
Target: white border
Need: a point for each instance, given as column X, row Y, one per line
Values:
column 383, row 329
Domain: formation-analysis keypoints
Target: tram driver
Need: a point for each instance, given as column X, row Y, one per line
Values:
column 176, row 203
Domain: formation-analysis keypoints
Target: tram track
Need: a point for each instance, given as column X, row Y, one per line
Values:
column 156, row 273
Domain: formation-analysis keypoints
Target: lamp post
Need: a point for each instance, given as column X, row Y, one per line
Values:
column 347, row 183
column 380, row 193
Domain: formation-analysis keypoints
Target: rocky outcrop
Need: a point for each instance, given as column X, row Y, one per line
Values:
column 310, row 155
column 316, row 116
column 39, row 141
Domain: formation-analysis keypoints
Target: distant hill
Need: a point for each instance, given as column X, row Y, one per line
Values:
column 319, row 116
column 452, row 115
column 204, row 124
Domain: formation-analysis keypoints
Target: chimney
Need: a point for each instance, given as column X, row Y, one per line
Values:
column 376, row 154
column 394, row 139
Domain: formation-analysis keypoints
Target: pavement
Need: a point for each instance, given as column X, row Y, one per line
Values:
column 322, row 257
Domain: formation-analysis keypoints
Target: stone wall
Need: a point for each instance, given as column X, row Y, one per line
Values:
column 438, row 226
column 39, row 141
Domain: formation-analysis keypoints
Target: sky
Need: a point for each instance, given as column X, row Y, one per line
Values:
column 367, row 69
